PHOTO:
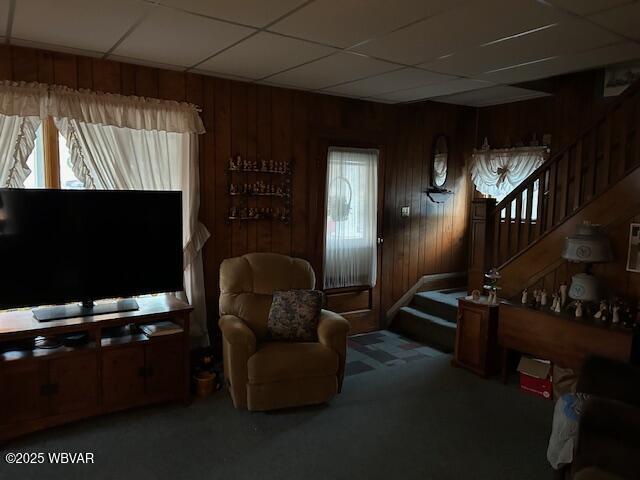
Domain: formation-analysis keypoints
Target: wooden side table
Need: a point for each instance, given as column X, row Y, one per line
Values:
column 476, row 347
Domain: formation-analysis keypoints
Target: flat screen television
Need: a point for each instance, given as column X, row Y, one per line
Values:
column 62, row 246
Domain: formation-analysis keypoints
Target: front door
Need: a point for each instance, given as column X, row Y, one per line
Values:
column 352, row 246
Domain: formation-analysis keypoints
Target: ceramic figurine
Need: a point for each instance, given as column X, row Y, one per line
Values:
column 544, row 298
column 578, row 309
column 475, row 295
column 554, row 304
column 558, row 308
column 601, row 314
column 563, row 294
column 524, row 296
column 615, row 315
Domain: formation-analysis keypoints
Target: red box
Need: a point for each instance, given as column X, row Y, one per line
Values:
column 535, row 377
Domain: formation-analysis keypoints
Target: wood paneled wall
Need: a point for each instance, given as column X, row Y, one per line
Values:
column 575, row 103
column 254, row 120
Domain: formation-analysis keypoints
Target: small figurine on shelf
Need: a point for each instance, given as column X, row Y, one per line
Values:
column 544, row 298
column 563, row 294
column 558, row 308
column 556, row 301
column 232, row 164
column 578, row 308
column 602, row 312
column 271, row 165
column 475, row 295
column 233, row 213
column 525, row 295
column 615, row 314
column 493, row 277
column 263, row 165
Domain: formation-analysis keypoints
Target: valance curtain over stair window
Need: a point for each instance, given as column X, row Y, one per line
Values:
column 497, row 172
column 22, row 105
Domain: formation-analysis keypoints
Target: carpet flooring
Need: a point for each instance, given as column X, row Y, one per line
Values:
column 381, row 349
column 418, row 420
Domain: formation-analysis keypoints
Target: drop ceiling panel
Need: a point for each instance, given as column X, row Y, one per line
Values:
column 491, row 96
column 345, row 23
column 466, row 27
column 257, row 13
column 264, row 54
column 609, row 55
column 438, row 90
column 624, row 20
column 177, row 38
column 332, row 70
column 95, row 26
column 389, row 82
column 562, row 39
column 586, row 7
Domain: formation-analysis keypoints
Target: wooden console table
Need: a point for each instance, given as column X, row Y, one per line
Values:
column 561, row 338
column 475, row 347
column 41, row 388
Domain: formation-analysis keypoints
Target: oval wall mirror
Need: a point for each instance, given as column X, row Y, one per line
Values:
column 440, row 159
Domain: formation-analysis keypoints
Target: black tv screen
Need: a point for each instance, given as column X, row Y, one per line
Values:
column 61, row 246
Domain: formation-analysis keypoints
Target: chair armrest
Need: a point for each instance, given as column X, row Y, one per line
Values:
column 612, row 379
column 238, row 344
column 332, row 333
column 237, row 332
column 608, row 438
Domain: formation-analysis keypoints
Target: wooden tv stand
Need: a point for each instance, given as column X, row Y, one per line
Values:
column 41, row 388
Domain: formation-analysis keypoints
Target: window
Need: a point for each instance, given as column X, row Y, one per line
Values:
column 49, row 161
column 351, row 217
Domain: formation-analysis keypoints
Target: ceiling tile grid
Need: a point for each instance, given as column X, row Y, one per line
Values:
column 178, row 38
column 255, row 13
column 377, row 49
column 94, row 26
column 263, row 55
column 332, row 70
column 402, row 79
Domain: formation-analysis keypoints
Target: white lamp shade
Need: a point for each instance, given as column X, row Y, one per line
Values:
column 587, row 245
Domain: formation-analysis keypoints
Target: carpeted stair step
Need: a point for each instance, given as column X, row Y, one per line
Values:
column 424, row 327
column 440, row 303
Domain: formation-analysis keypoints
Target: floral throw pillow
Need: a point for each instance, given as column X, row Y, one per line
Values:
column 294, row 315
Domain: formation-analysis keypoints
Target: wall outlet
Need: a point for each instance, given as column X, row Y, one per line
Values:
column 405, row 211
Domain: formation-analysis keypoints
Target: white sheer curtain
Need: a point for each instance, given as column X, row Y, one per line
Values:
column 149, row 151
column 351, row 216
column 21, row 106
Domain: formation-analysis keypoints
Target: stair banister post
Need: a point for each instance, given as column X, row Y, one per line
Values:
column 481, row 241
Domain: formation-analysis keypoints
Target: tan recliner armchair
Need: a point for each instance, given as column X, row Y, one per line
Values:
column 263, row 374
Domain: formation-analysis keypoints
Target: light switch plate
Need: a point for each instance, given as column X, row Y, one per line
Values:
column 405, row 211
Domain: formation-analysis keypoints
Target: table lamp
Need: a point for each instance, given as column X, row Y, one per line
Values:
column 588, row 245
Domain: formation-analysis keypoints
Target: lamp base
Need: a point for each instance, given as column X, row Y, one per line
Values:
column 584, row 287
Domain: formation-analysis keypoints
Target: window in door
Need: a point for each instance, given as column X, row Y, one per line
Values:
column 351, row 217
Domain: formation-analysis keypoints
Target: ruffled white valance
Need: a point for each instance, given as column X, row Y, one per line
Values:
column 22, row 99
column 138, row 113
column 497, row 172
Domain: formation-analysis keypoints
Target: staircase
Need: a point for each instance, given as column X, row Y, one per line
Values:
column 430, row 318
column 524, row 237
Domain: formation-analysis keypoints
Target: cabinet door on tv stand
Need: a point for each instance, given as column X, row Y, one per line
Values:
column 76, row 383
column 123, row 376
column 23, row 393
column 165, row 368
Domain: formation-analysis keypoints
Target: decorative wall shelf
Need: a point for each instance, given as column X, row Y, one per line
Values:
column 253, row 201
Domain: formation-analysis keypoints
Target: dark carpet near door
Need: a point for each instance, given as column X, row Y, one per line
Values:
column 418, row 420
